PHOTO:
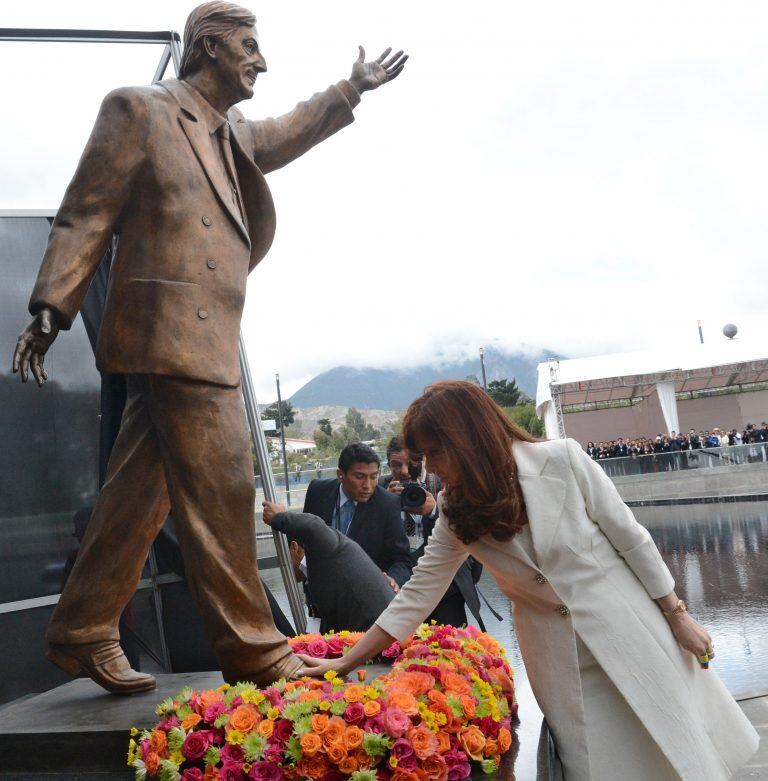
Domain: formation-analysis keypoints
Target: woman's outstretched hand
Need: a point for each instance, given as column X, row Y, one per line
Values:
column 317, row 668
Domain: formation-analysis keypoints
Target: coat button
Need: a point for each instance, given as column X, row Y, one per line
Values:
column 202, row 313
column 540, row 578
column 207, row 221
column 211, row 263
column 563, row 610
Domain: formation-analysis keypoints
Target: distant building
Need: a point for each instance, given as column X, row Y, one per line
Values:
column 292, row 445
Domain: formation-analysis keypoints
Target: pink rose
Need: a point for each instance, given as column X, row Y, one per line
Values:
column 409, row 763
column 266, row 771
column 396, row 722
column 390, row 652
column 318, row 649
column 274, row 696
column 195, row 745
column 283, row 730
column 335, row 646
column 489, row 727
column 374, row 724
column 458, row 765
column 383, row 773
column 231, row 771
column 168, row 724
column 401, row 748
column 212, row 712
column 230, row 753
column 144, row 749
column 192, row 774
column 354, row 713
column 217, row 736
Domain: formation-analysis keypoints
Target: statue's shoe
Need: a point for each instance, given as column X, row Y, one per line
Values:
column 105, row 663
column 288, row 668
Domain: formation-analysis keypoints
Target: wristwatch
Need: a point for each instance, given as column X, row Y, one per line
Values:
column 680, row 607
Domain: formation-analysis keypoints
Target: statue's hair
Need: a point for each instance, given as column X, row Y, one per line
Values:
column 217, row 19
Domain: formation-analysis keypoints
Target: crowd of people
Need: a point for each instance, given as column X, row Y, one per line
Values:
column 668, row 450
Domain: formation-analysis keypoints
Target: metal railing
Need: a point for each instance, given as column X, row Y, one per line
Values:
column 682, row 460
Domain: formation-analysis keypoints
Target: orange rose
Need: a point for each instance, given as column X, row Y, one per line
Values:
column 152, row 763
column 336, row 752
column 414, row 682
column 348, row 765
column 309, row 696
column 190, row 721
column 472, row 741
column 211, row 773
column 244, row 719
column 436, row 768
column 335, row 731
column 266, row 727
column 371, row 708
column 491, row 748
column 468, row 704
column 353, row 737
column 319, row 723
column 158, row 741
column 403, row 775
column 310, row 744
column 209, row 698
column 489, row 644
column 354, row 693
column 423, row 741
column 433, row 695
column 313, row 767
column 443, row 742
column 505, row 740
column 498, row 676
column 364, row 762
column 457, row 684
column 405, row 701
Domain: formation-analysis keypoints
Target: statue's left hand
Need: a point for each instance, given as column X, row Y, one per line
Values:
column 369, row 75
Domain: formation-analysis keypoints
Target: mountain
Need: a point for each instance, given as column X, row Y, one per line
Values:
column 393, row 389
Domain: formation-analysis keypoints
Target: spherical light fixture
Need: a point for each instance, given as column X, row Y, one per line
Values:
column 730, row 330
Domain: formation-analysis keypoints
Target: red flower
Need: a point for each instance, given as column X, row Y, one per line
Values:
column 195, row 745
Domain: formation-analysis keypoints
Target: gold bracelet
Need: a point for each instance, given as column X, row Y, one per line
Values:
column 680, row 607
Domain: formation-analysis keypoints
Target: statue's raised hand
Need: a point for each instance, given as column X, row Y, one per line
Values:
column 369, row 75
column 33, row 344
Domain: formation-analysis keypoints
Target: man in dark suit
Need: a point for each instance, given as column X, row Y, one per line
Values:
column 347, row 588
column 178, row 172
column 418, row 523
column 354, row 504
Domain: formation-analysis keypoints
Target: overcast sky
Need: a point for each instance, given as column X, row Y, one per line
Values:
column 585, row 177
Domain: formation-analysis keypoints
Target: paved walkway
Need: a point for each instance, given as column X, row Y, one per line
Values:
column 757, row 712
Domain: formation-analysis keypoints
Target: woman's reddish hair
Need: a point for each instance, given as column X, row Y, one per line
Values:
column 477, row 436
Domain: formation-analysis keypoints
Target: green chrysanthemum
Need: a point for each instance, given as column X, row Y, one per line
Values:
column 253, row 746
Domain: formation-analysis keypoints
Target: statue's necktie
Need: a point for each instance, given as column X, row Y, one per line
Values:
column 229, row 163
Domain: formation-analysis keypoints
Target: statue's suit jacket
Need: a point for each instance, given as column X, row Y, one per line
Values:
column 177, row 283
column 596, row 574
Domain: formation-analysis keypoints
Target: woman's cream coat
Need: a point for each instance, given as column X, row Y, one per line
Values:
column 598, row 574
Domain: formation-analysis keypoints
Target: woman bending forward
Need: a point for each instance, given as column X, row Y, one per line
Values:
column 612, row 657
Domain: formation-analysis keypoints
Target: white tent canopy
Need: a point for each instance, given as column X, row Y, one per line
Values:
column 635, row 375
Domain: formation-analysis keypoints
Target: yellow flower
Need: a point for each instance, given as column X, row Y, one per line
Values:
column 325, row 705
column 337, row 681
column 441, row 719
column 273, row 713
column 132, row 752
column 235, row 737
column 177, row 758
column 370, row 693
column 330, row 675
column 344, row 633
column 134, row 732
column 393, row 761
column 246, row 767
column 224, row 687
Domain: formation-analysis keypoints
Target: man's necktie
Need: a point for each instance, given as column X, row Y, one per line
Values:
column 346, row 514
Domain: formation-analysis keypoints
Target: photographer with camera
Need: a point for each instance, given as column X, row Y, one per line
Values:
column 418, row 490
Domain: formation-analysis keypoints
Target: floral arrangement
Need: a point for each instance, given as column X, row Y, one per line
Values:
column 446, row 703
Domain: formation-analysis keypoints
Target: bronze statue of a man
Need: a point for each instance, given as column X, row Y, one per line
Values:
column 178, row 173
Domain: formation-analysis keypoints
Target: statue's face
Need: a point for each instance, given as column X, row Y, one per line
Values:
column 240, row 61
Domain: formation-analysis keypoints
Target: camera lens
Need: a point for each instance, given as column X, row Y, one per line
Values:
column 413, row 495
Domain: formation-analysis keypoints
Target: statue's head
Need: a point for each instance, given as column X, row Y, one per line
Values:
column 222, row 36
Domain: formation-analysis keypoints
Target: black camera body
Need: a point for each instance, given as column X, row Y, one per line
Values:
column 414, row 493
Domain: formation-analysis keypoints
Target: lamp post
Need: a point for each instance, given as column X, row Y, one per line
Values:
column 282, row 441
column 701, row 333
column 482, row 368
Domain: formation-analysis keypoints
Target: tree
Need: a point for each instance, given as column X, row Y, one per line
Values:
column 525, row 417
column 504, row 392
column 356, row 425
column 324, row 425
column 272, row 413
